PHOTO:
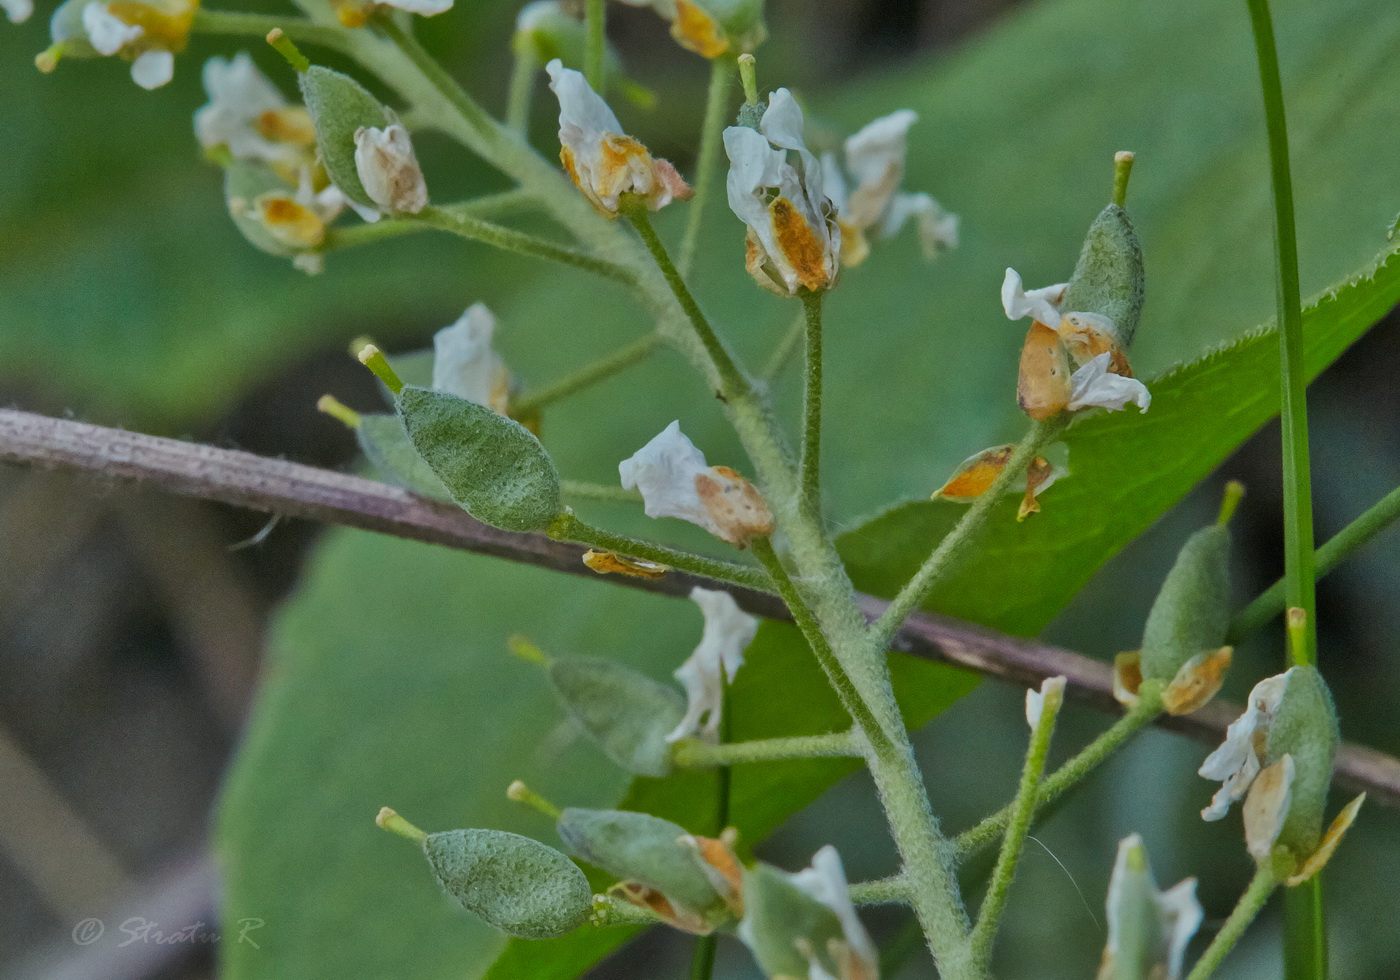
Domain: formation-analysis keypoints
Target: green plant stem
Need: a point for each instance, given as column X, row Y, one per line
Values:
column 509, row 239
column 1305, row 933
column 598, row 491
column 787, row 346
column 694, row 754
column 467, row 107
column 885, row 891
column 1338, row 548
column 570, row 528
column 1261, row 886
column 522, row 89
column 591, row 374
column 702, row 964
column 810, row 479
column 367, row 233
column 608, row 911
column 732, row 379
column 299, row 29
column 1022, row 810
column 595, row 41
column 707, row 161
column 988, row 831
column 955, row 544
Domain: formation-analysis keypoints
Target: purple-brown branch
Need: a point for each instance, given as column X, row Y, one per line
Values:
column 291, row 489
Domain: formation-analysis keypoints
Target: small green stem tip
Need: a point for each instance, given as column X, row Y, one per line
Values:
column 521, row 793
column 395, row 824
column 1230, row 502
column 748, row 75
column 1297, row 621
column 520, row 647
column 1122, row 170
column 284, row 46
column 373, row 358
column 336, row 409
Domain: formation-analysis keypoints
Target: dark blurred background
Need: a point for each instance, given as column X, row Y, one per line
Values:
column 134, row 623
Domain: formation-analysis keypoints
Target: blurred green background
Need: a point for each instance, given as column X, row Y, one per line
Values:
column 134, row 636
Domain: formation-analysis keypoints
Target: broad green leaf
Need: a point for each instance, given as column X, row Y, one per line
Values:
column 493, row 466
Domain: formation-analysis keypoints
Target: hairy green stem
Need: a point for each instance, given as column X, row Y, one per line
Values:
column 595, row 42
column 467, row 107
column 707, row 161
column 885, row 891
column 1022, row 810
column 1338, row 548
column 1305, row 933
column 522, row 88
column 988, row 831
column 1251, row 902
column 589, row 375
column 787, row 346
column 694, row 754
column 955, row 544
column 299, row 29
column 511, row 240
column 702, row 963
column 810, row 479
column 569, row 528
column 369, row 232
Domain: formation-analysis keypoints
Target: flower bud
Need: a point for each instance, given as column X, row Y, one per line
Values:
column 628, row 714
column 1148, row 930
column 656, row 868
column 339, row 108
column 520, row 886
column 388, row 169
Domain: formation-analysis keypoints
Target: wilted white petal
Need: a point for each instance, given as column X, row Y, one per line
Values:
column 152, row 69
column 18, row 11
column 1235, row 763
column 1177, row 913
column 938, row 229
column 464, row 362
column 728, row 631
column 1266, row 807
column 783, row 125
column 388, row 168
column 239, row 94
column 1035, row 700
column 664, row 471
column 833, row 184
column 1095, row 386
column 875, row 158
column 1042, row 305
column 424, row 8
column 107, row 33
column 825, row 881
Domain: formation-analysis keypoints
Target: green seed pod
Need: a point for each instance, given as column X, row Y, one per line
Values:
column 1148, row 929
column 642, row 848
column 245, row 181
column 385, row 443
column 777, row 916
column 339, row 106
column 751, row 115
column 520, row 886
column 1191, row 614
column 1108, row 278
column 628, row 714
column 1305, row 727
column 493, row 466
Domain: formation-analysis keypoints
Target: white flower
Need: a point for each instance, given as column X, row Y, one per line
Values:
column 248, row 115
column 1051, row 687
column 793, row 241
column 603, row 161
column 1159, row 923
column 825, row 881
column 107, row 33
column 1236, row 762
column 18, row 11
column 465, row 364
column 1041, row 305
column 938, row 229
column 1096, row 386
column 674, row 481
column 146, row 33
column 388, row 168
column 728, row 631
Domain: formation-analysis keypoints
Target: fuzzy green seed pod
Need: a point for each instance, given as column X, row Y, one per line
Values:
column 245, row 183
column 1108, row 279
column 339, row 106
column 777, row 916
column 387, row 447
column 520, row 886
column 1191, row 613
column 645, row 849
column 628, row 714
column 1304, row 726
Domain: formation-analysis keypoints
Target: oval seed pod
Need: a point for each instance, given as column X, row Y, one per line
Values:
column 386, row 445
column 520, row 886
column 778, row 916
column 627, row 713
column 1108, row 279
column 339, row 106
column 645, row 849
column 283, row 227
column 1304, row 727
